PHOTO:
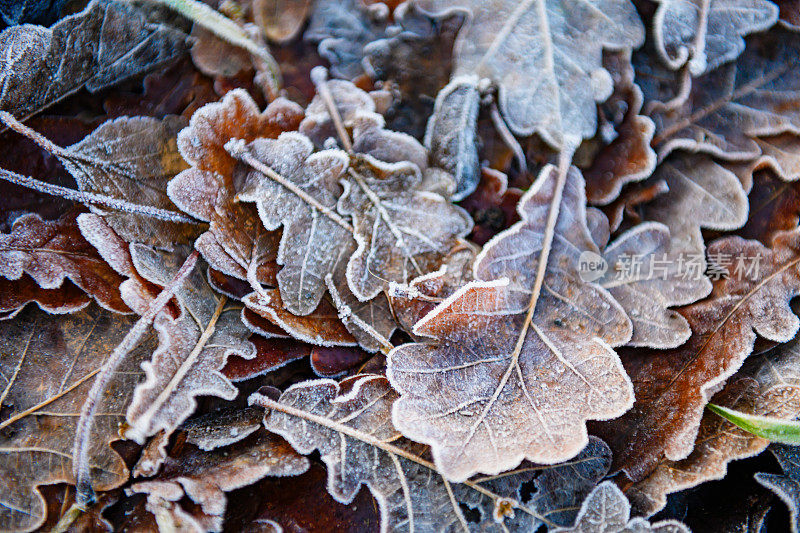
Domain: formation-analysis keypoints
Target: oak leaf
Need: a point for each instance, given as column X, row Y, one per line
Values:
column 545, row 58
column 673, row 387
column 193, row 346
column 786, row 486
column 707, row 33
column 50, row 362
column 52, row 252
column 513, row 382
column 727, row 108
column 106, row 43
column 606, row 510
column 767, row 385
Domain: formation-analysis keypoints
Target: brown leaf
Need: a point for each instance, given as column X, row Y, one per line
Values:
column 106, row 43
column 270, row 354
column 205, row 477
column 214, row 57
column 133, row 158
column 768, row 385
column 727, row 108
column 493, row 205
column 333, row 362
column 628, row 157
column 193, row 346
column 236, row 241
column 279, row 20
column 16, row 294
column 52, row 253
column 493, row 360
column 774, row 207
column 673, row 387
column 49, row 362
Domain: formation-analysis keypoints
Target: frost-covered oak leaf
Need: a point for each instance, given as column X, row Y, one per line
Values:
column 497, row 384
column 545, row 56
column 707, row 33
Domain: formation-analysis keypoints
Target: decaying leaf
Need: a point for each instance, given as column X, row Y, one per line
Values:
column 236, row 242
column 49, row 363
column 494, row 360
column 606, row 510
column 673, row 387
column 545, row 58
column 106, row 43
column 727, row 108
column 767, row 385
column 450, row 135
column 205, row 477
column 347, row 422
column 16, row 294
column 193, row 347
column 133, row 158
column 52, row 253
column 280, row 21
column 707, row 33
column 787, row 486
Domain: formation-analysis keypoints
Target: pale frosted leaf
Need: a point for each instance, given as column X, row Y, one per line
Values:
column 754, row 96
column 411, row 496
column 606, row 510
column 450, row 135
column 509, row 389
column 707, row 33
column 643, row 275
column 401, row 223
column 133, row 158
column 193, row 347
column 311, row 240
column 106, row 43
column 205, row 476
column 49, row 363
column 767, row 385
column 545, row 58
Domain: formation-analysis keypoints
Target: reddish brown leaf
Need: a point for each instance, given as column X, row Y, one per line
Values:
column 493, row 205
column 270, row 354
column 672, row 387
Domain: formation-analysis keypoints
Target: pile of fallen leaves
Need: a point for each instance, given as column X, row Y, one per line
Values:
column 372, row 265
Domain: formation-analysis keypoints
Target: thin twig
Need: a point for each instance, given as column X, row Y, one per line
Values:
column 507, row 137
column 80, row 455
column 319, row 76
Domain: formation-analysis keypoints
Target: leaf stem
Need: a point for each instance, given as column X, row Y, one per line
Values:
column 319, row 76
column 80, row 455
column 346, row 315
column 238, row 149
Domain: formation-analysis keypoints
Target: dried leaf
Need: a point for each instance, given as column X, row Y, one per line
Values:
column 16, row 294
column 333, row 362
column 236, row 242
column 401, row 222
column 450, row 135
column 193, row 347
column 15, row 12
column 702, row 194
column 727, row 108
column 214, row 57
column 49, row 363
column 544, row 57
column 493, row 205
column 644, row 277
column 279, row 20
column 787, row 486
column 707, row 33
column 205, row 477
column 606, row 510
column 270, row 354
column 774, row 207
column 347, row 422
column 106, row 43
column 52, row 253
column 493, row 362
column 222, row 428
column 767, row 385
column 628, row 157
column 133, row 159
column 673, row 387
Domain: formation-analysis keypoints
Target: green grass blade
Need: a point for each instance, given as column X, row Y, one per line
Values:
column 773, row 429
